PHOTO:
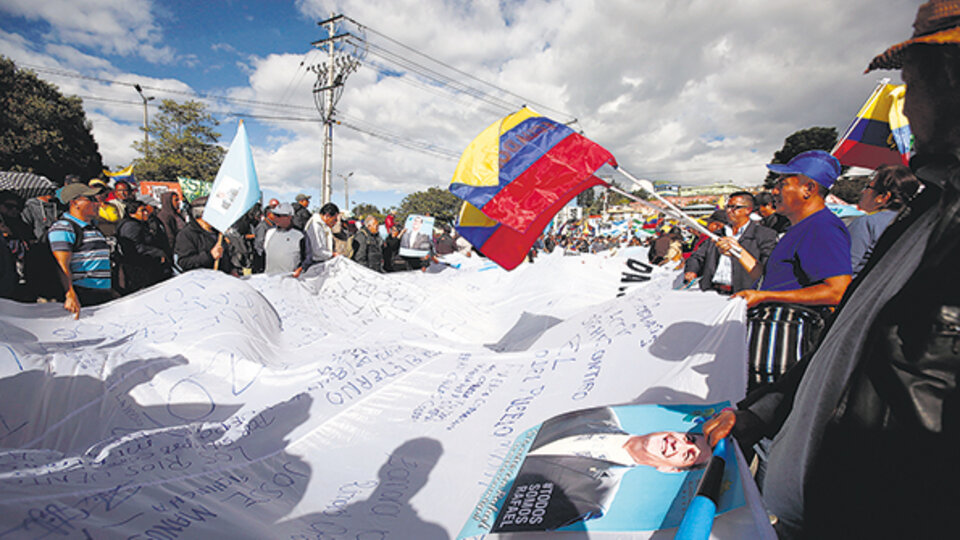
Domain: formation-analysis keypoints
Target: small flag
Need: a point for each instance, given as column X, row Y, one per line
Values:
column 236, row 188
column 193, row 188
column 125, row 174
column 880, row 134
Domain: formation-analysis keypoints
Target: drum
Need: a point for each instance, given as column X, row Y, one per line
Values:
column 779, row 335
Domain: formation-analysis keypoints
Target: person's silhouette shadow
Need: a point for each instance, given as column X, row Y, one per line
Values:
column 387, row 512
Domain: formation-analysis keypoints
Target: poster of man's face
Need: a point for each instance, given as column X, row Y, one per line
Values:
column 417, row 236
column 624, row 468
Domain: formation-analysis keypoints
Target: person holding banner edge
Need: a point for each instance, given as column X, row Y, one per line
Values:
column 714, row 261
column 866, row 427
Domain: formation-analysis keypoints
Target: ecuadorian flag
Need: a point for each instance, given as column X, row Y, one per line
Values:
column 504, row 245
column 880, row 134
column 125, row 174
column 520, row 166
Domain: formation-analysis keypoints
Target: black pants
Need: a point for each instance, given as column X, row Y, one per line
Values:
column 95, row 297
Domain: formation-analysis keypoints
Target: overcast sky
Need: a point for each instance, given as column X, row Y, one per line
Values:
column 690, row 91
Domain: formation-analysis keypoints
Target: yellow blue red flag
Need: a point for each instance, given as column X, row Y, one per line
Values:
column 125, row 174
column 521, row 165
column 504, row 245
column 880, row 134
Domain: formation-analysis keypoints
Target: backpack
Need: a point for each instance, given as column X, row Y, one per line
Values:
column 41, row 269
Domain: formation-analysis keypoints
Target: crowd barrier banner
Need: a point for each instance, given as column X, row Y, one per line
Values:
column 345, row 404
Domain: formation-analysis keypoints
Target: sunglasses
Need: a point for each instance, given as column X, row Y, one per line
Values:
column 734, row 207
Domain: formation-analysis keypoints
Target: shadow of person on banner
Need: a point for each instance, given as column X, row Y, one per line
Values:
column 386, row 512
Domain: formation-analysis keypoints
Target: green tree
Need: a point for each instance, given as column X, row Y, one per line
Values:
column 367, row 209
column 815, row 138
column 41, row 130
column 439, row 203
column 182, row 143
column 586, row 198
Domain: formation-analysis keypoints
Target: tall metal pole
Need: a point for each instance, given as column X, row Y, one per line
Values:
column 326, row 189
column 346, row 191
column 146, row 124
column 328, row 88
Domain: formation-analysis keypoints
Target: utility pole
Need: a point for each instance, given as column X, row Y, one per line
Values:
column 328, row 88
column 146, row 134
column 346, row 191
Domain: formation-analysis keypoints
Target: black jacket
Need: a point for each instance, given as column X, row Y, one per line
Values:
column 867, row 426
column 143, row 254
column 758, row 240
column 193, row 249
column 300, row 217
column 368, row 249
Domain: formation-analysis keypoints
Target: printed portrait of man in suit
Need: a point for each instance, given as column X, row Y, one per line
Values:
column 573, row 469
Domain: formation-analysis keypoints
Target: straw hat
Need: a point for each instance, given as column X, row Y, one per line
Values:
column 937, row 23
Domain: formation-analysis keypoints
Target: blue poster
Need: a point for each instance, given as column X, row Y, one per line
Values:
column 614, row 469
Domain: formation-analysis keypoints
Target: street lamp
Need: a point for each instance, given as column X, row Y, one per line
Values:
column 346, row 191
column 146, row 134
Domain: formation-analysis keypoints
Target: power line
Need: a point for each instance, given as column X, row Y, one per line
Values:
column 77, row 75
column 353, row 124
column 463, row 73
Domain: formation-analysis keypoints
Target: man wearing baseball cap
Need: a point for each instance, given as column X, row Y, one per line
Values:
column 811, row 263
column 302, row 213
column 81, row 250
column 867, row 427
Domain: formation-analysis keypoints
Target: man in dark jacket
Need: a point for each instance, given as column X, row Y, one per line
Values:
column 729, row 274
column 867, row 427
column 259, row 235
column 391, row 250
column 443, row 243
column 368, row 246
column 768, row 211
column 301, row 214
column 199, row 245
column 145, row 259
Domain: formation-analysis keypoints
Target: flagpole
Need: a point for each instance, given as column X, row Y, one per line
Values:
column 647, row 186
column 873, row 97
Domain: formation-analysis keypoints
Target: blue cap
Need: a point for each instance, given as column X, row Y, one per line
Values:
column 814, row 164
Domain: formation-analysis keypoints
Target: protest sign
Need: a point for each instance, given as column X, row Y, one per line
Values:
column 417, row 237
column 619, row 469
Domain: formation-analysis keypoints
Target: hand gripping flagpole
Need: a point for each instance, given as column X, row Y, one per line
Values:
column 698, row 520
column 647, row 186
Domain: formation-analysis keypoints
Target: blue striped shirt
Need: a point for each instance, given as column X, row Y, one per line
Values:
column 90, row 264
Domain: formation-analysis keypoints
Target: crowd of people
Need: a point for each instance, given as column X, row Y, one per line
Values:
column 87, row 243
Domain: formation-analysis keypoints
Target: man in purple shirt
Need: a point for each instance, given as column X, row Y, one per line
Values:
column 811, row 263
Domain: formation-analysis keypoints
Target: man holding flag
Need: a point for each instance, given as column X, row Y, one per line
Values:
column 234, row 191
column 199, row 245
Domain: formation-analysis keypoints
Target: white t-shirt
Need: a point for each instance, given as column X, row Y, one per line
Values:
column 281, row 251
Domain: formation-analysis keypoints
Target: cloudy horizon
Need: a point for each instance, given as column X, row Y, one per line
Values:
column 688, row 91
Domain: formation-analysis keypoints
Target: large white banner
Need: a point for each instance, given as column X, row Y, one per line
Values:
column 346, row 404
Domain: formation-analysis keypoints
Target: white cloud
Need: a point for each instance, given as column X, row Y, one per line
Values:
column 115, row 140
column 121, row 27
column 686, row 90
